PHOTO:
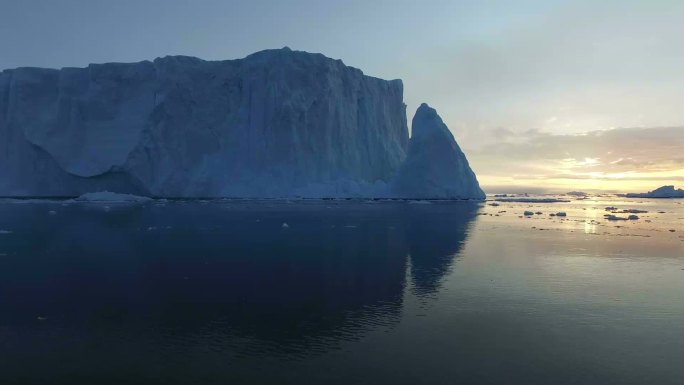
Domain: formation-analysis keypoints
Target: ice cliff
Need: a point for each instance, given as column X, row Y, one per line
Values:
column 276, row 123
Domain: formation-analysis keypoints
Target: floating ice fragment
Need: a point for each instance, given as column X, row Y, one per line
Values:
column 107, row 196
column 631, row 211
column 533, row 200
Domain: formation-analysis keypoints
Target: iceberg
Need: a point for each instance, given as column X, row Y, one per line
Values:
column 661, row 192
column 435, row 166
column 275, row 124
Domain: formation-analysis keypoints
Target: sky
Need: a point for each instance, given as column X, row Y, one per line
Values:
column 543, row 96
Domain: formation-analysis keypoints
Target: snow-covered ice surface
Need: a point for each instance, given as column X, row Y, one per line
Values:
column 278, row 123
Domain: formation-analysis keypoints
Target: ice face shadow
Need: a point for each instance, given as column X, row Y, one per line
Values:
column 242, row 279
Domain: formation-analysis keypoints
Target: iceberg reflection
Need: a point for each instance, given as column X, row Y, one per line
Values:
column 222, row 279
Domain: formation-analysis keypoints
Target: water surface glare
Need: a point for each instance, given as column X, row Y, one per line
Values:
column 338, row 292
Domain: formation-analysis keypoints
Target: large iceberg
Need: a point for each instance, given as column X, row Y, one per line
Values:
column 278, row 123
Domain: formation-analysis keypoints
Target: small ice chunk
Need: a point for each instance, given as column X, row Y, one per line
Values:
column 5, row 232
column 285, row 225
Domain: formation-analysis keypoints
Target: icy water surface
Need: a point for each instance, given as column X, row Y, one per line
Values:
column 335, row 292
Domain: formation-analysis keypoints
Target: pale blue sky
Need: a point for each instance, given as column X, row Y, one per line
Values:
column 554, row 67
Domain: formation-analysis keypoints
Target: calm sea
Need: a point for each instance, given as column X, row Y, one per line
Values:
column 341, row 292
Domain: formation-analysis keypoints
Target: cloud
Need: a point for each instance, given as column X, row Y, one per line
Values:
column 633, row 156
column 621, row 68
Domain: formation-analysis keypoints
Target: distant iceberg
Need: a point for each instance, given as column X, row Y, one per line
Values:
column 278, row 123
column 661, row 192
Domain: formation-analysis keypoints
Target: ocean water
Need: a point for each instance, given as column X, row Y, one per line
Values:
column 341, row 292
